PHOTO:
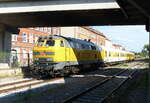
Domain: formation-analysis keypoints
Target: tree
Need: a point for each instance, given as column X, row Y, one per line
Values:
column 146, row 50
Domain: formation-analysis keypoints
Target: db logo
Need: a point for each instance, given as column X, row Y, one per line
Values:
column 42, row 53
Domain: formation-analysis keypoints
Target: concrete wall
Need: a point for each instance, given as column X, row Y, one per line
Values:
column 1, row 39
column 1, row 42
column 5, row 46
column 5, row 40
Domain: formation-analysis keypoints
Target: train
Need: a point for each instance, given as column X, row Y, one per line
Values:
column 53, row 55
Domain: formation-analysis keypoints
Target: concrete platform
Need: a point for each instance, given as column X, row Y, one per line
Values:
column 4, row 66
column 10, row 72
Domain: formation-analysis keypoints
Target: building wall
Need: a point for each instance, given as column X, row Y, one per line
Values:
column 108, row 44
column 83, row 34
column 68, row 31
column 89, row 34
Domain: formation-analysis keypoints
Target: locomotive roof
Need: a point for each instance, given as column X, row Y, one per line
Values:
column 68, row 39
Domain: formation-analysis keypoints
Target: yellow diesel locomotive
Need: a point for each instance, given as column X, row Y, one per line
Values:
column 60, row 55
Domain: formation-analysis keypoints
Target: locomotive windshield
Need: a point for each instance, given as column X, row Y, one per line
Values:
column 50, row 42
column 40, row 42
column 46, row 42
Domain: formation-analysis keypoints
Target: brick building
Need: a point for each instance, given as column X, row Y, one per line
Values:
column 23, row 43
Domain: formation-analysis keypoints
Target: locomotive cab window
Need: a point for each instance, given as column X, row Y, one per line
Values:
column 40, row 42
column 61, row 43
column 93, row 47
column 50, row 43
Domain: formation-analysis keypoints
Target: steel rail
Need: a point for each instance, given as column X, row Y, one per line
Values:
column 27, row 85
column 17, row 82
column 115, row 89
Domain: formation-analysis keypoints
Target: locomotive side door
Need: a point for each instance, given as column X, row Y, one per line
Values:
column 62, row 51
column 67, row 53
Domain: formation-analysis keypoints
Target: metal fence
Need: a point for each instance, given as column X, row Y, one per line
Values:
column 16, row 59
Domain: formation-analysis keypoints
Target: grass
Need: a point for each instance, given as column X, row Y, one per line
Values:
column 125, row 65
column 121, row 65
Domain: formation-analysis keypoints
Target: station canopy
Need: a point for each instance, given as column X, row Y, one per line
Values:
column 74, row 12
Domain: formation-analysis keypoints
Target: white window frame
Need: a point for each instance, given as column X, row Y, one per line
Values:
column 14, row 37
column 24, row 37
column 31, row 38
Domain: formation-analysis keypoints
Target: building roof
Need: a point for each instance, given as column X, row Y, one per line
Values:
column 94, row 31
column 117, row 45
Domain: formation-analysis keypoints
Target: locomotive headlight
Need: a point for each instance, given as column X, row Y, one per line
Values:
column 36, row 58
column 49, row 59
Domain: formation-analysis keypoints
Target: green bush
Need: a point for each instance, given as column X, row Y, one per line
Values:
column 4, row 55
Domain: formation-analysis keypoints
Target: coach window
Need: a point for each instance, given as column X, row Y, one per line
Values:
column 109, row 54
column 61, row 43
column 105, row 53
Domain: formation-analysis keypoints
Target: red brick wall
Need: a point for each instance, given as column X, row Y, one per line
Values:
column 24, row 47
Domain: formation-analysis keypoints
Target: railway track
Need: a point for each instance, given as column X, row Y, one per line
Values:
column 22, row 85
column 100, row 91
column 78, row 89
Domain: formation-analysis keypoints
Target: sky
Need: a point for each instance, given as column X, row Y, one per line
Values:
column 132, row 38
